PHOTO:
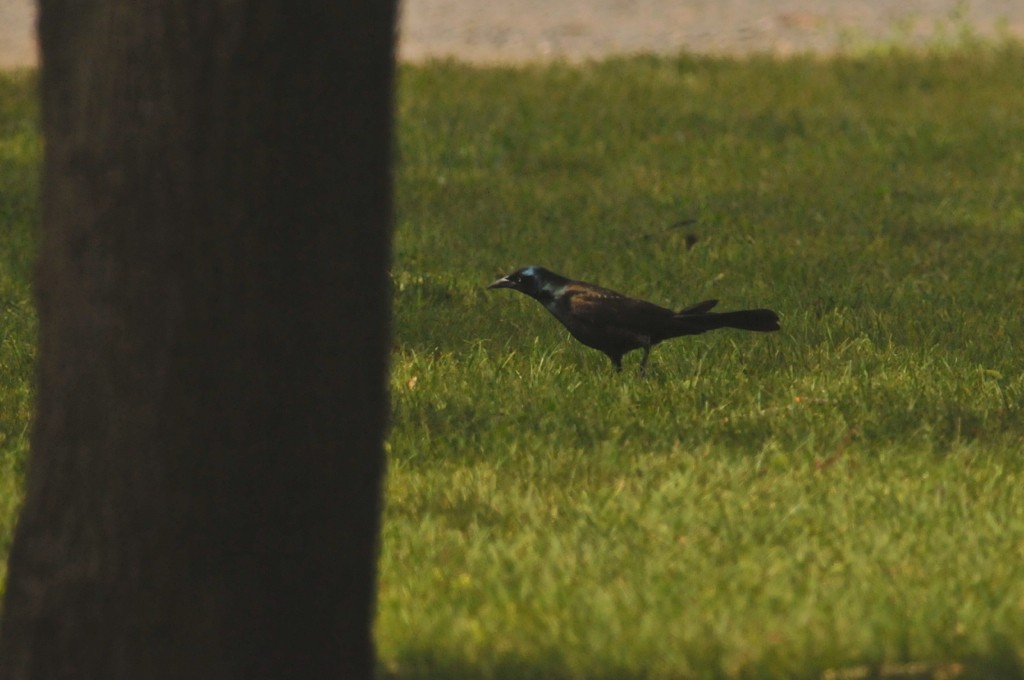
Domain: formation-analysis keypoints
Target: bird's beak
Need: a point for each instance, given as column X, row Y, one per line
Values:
column 503, row 282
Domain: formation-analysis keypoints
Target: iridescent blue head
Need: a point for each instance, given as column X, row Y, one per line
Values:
column 536, row 282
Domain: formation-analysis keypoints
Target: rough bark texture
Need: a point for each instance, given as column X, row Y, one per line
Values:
column 203, row 494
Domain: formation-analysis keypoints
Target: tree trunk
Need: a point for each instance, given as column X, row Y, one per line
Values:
column 203, row 495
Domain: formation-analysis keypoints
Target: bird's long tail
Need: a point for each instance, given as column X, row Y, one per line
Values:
column 747, row 319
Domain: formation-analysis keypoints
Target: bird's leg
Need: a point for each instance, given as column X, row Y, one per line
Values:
column 643, row 362
column 616, row 361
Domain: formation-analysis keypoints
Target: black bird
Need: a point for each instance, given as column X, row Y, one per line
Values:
column 615, row 324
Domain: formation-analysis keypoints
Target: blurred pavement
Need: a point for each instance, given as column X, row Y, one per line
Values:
column 519, row 30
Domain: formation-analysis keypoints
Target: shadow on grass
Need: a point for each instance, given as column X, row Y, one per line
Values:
column 420, row 664
column 428, row 665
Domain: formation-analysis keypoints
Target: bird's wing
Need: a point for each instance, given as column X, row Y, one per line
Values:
column 607, row 308
column 699, row 308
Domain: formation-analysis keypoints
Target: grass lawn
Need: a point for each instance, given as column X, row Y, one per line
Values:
column 20, row 154
column 844, row 498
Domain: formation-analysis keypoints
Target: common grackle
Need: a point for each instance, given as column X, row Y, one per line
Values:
column 615, row 324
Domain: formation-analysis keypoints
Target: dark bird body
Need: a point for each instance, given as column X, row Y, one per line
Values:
column 614, row 323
